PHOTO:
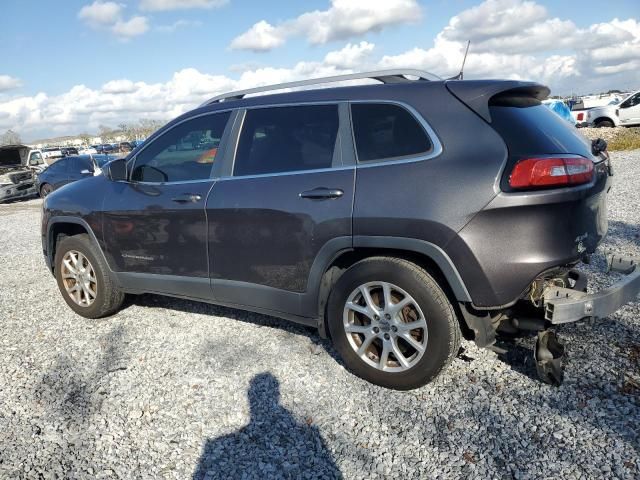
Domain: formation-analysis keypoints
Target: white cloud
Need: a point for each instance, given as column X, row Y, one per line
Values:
column 351, row 56
column 178, row 24
column 344, row 19
column 101, row 13
column 587, row 59
column 9, row 83
column 109, row 15
column 133, row 27
column 157, row 5
column 259, row 38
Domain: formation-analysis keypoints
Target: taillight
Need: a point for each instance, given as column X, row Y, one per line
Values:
column 581, row 116
column 551, row 172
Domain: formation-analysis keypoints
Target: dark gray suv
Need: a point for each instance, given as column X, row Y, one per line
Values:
column 396, row 218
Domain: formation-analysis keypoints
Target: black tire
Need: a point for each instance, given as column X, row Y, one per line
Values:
column 443, row 330
column 108, row 297
column 604, row 123
column 45, row 190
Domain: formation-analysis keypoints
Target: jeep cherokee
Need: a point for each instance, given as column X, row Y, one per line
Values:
column 394, row 217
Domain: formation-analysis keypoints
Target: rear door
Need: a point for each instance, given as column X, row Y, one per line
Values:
column 287, row 200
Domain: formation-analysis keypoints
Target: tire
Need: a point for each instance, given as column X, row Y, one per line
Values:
column 604, row 123
column 107, row 298
column 439, row 335
column 45, row 190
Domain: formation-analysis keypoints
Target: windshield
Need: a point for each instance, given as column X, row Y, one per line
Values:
column 36, row 159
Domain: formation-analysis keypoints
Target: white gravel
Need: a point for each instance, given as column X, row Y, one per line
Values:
column 174, row 389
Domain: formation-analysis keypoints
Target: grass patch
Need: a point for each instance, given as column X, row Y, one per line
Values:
column 626, row 139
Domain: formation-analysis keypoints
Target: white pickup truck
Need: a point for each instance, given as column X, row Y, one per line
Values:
column 626, row 113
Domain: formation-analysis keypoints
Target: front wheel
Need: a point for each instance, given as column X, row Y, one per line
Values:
column 392, row 324
column 83, row 278
column 45, row 190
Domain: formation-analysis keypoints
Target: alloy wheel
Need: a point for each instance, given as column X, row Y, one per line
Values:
column 79, row 278
column 385, row 326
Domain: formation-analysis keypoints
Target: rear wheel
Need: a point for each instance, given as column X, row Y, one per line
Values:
column 604, row 123
column 45, row 190
column 83, row 278
column 392, row 324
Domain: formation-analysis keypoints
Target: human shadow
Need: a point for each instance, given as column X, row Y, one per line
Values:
column 273, row 445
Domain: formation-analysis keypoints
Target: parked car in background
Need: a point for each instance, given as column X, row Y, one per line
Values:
column 136, row 144
column 51, row 154
column 18, row 166
column 625, row 113
column 395, row 218
column 106, row 148
column 125, row 147
column 87, row 151
column 66, row 151
column 68, row 170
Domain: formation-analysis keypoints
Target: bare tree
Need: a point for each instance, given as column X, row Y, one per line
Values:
column 147, row 126
column 85, row 138
column 10, row 138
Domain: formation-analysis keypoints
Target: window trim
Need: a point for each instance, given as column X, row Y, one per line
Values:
column 343, row 116
column 436, row 146
column 223, row 140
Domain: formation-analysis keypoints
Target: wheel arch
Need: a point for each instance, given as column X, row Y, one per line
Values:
column 424, row 254
column 60, row 227
column 604, row 118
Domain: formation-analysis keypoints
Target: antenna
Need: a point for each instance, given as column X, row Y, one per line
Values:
column 460, row 75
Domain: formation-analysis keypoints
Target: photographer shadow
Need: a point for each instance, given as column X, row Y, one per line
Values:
column 273, row 445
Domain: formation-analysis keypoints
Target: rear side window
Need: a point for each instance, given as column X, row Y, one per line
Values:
column 529, row 128
column 183, row 153
column 81, row 163
column 385, row 131
column 59, row 167
column 287, row 139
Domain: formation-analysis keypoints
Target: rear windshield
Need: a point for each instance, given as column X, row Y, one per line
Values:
column 535, row 129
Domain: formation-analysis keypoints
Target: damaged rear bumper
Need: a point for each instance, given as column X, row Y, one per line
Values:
column 564, row 305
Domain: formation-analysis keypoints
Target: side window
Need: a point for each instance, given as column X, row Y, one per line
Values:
column 185, row 152
column 59, row 167
column 632, row 102
column 81, row 163
column 35, row 159
column 384, row 131
column 287, row 139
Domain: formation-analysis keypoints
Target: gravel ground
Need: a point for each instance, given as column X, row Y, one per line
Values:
column 174, row 389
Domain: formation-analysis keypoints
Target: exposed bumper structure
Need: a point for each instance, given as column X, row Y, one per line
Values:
column 564, row 305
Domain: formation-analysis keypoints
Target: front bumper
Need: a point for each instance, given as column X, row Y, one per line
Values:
column 13, row 192
column 564, row 305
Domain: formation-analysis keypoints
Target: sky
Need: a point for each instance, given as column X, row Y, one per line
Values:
column 69, row 67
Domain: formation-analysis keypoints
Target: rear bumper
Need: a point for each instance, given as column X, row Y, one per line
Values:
column 564, row 305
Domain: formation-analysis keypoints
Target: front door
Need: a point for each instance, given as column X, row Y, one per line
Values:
column 629, row 110
column 289, row 196
column 155, row 224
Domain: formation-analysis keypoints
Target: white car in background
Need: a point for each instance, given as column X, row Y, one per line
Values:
column 624, row 114
column 87, row 151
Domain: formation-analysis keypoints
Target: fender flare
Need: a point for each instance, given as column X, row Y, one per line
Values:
column 77, row 221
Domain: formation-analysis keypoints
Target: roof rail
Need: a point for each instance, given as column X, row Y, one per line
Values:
column 384, row 76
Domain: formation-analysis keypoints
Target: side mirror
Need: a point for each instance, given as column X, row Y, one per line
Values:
column 117, row 170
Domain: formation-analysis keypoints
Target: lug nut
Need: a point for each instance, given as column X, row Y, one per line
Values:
column 386, row 336
column 376, row 318
column 376, row 329
column 387, row 316
column 394, row 328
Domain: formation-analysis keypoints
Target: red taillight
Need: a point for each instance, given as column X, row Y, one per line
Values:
column 551, row 172
column 581, row 116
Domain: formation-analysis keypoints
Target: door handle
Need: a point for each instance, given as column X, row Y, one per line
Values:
column 187, row 198
column 322, row 193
